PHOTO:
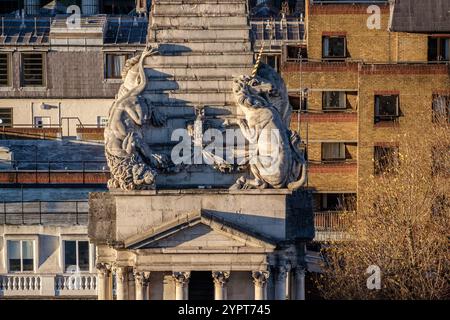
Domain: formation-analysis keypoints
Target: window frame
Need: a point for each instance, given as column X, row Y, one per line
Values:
column 10, row 125
column 8, row 70
column 377, row 104
column 23, row 83
column 342, row 152
column 435, row 112
column 326, row 55
column 376, row 162
column 439, row 46
column 34, row 251
column 326, row 97
column 127, row 55
column 303, row 103
column 63, row 255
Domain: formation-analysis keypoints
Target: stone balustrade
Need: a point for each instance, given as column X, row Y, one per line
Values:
column 21, row 285
column 80, row 285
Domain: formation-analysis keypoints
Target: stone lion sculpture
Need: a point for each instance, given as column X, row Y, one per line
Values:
column 132, row 163
column 277, row 160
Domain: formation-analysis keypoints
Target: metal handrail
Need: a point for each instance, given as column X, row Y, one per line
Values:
column 24, row 215
column 30, row 126
column 331, row 221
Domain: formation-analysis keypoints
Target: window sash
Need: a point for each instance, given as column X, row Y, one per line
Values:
column 81, row 258
column 386, row 115
column 6, row 117
column 33, row 69
column 441, row 107
column 23, row 259
column 4, row 70
column 115, row 64
column 327, row 99
column 330, row 47
column 333, row 151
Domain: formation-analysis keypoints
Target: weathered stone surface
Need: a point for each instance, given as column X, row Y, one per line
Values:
column 280, row 215
column 102, row 218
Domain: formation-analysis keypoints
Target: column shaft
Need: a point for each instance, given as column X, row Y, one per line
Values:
column 300, row 284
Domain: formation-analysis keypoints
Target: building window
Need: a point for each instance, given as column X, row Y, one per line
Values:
column 334, row 201
column 33, row 70
column 438, row 49
column 114, row 65
column 334, row 47
column 441, row 108
column 76, row 255
column 6, row 117
column 440, row 160
column 297, row 102
column 20, row 255
column 295, row 53
column 333, row 151
column 385, row 159
column 4, row 70
column 386, row 108
column 272, row 60
column 333, row 100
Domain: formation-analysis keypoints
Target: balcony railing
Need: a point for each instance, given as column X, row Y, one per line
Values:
column 331, row 221
column 79, row 285
column 49, row 285
column 44, row 213
column 53, row 172
column 30, row 131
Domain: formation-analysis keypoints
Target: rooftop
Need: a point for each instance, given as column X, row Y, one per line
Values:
column 430, row 16
column 39, row 30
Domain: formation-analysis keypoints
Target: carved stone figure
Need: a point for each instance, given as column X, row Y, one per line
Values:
column 132, row 163
column 276, row 160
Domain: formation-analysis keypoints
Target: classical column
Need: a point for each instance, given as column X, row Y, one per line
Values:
column 280, row 283
column 260, row 282
column 141, row 282
column 181, row 285
column 103, row 270
column 131, row 285
column 299, row 283
column 121, row 273
column 220, row 279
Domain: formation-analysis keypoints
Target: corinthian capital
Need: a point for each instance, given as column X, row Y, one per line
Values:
column 142, row 277
column 260, row 277
column 181, row 277
column 103, row 267
column 220, row 277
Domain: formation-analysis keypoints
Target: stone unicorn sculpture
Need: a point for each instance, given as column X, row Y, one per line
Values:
column 276, row 161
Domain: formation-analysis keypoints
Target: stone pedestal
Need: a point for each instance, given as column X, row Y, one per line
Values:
column 254, row 231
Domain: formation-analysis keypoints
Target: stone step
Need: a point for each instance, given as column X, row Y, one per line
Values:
column 225, row 61
column 201, row 48
column 189, row 85
column 204, row 35
column 180, row 22
column 182, row 98
column 199, row 8
column 167, row 72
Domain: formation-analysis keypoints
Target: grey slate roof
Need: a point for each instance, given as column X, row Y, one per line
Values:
column 421, row 16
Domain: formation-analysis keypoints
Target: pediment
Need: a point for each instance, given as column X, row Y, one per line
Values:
column 199, row 231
